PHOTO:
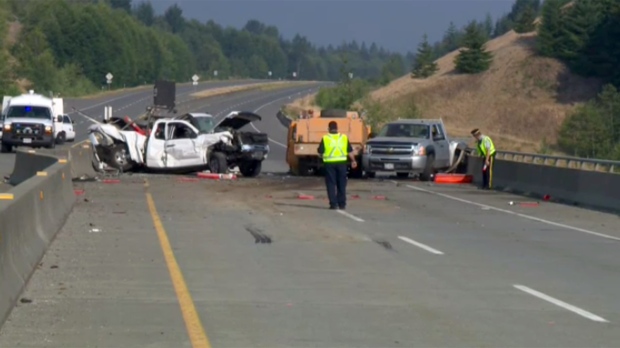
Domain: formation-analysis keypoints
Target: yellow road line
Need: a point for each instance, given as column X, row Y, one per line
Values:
column 196, row 331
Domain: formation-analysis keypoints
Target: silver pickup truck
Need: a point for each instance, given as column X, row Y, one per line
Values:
column 411, row 146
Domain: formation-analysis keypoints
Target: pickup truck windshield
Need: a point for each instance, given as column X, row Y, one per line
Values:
column 204, row 124
column 39, row 112
column 405, row 130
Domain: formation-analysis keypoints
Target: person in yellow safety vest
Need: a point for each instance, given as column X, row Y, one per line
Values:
column 486, row 149
column 335, row 149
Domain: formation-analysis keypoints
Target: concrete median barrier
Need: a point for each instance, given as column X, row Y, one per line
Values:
column 82, row 161
column 581, row 187
column 31, row 214
column 28, row 163
column 284, row 120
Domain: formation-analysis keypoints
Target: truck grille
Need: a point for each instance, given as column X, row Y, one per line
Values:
column 391, row 149
column 27, row 128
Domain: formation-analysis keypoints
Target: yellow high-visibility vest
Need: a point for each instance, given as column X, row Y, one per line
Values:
column 482, row 146
column 335, row 148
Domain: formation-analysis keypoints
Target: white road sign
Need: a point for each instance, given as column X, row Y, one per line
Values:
column 294, row 74
column 215, row 73
column 269, row 73
column 195, row 78
column 109, row 76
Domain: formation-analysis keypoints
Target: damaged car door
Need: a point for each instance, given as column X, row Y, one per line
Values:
column 155, row 146
column 181, row 147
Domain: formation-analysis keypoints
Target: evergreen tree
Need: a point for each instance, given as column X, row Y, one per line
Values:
column 525, row 21
column 145, row 13
column 549, row 32
column 488, row 25
column 424, row 65
column 474, row 58
column 502, row 26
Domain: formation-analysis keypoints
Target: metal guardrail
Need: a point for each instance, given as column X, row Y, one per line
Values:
column 561, row 161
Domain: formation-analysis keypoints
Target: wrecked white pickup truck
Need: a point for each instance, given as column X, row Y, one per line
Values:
column 179, row 145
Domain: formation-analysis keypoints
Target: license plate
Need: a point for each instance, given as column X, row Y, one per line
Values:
column 27, row 140
column 388, row 165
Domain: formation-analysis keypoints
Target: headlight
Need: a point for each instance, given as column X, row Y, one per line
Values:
column 7, row 127
column 418, row 150
column 246, row 147
column 48, row 129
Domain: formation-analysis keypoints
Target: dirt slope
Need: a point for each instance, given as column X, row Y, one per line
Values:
column 520, row 102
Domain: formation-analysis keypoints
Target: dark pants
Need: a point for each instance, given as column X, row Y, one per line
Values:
column 487, row 175
column 336, row 184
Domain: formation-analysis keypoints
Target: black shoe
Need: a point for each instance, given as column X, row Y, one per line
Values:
column 342, row 207
column 333, row 207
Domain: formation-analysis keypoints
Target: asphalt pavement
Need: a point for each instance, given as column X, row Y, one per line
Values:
column 167, row 261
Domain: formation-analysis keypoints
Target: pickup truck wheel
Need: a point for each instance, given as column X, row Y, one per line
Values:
column 52, row 145
column 119, row 158
column 371, row 175
column 250, row 168
column 61, row 138
column 303, row 168
column 428, row 172
column 218, row 163
column 402, row 175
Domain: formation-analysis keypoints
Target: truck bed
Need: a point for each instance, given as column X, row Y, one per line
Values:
column 314, row 129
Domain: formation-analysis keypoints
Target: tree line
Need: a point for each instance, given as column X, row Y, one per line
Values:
column 68, row 46
column 584, row 34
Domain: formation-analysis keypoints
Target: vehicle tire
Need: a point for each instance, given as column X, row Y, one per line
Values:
column 429, row 170
column 402, row 175
column 52, row 145
column 61, row 138
column 303, row 168
column 7, row 148
column 218, row 163
column 371, row 175
column 250, row 168
column 119, row 158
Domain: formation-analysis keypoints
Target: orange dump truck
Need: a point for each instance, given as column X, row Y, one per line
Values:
column 305, row 135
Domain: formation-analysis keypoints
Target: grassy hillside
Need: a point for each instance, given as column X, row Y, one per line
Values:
column 521, row 101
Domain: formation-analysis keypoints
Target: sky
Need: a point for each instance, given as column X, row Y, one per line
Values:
column 397, row 25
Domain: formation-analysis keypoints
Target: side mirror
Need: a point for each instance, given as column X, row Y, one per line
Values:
column 59, row 119
column 72, row 122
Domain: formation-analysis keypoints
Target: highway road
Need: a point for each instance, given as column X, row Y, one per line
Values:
column 127, row 103
column 161, row 261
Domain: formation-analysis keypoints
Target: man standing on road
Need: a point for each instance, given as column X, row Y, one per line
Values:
column 486, row 149
column 334, row 150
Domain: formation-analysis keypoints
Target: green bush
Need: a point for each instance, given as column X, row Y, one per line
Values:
column 593, row 130
column 342, row 96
